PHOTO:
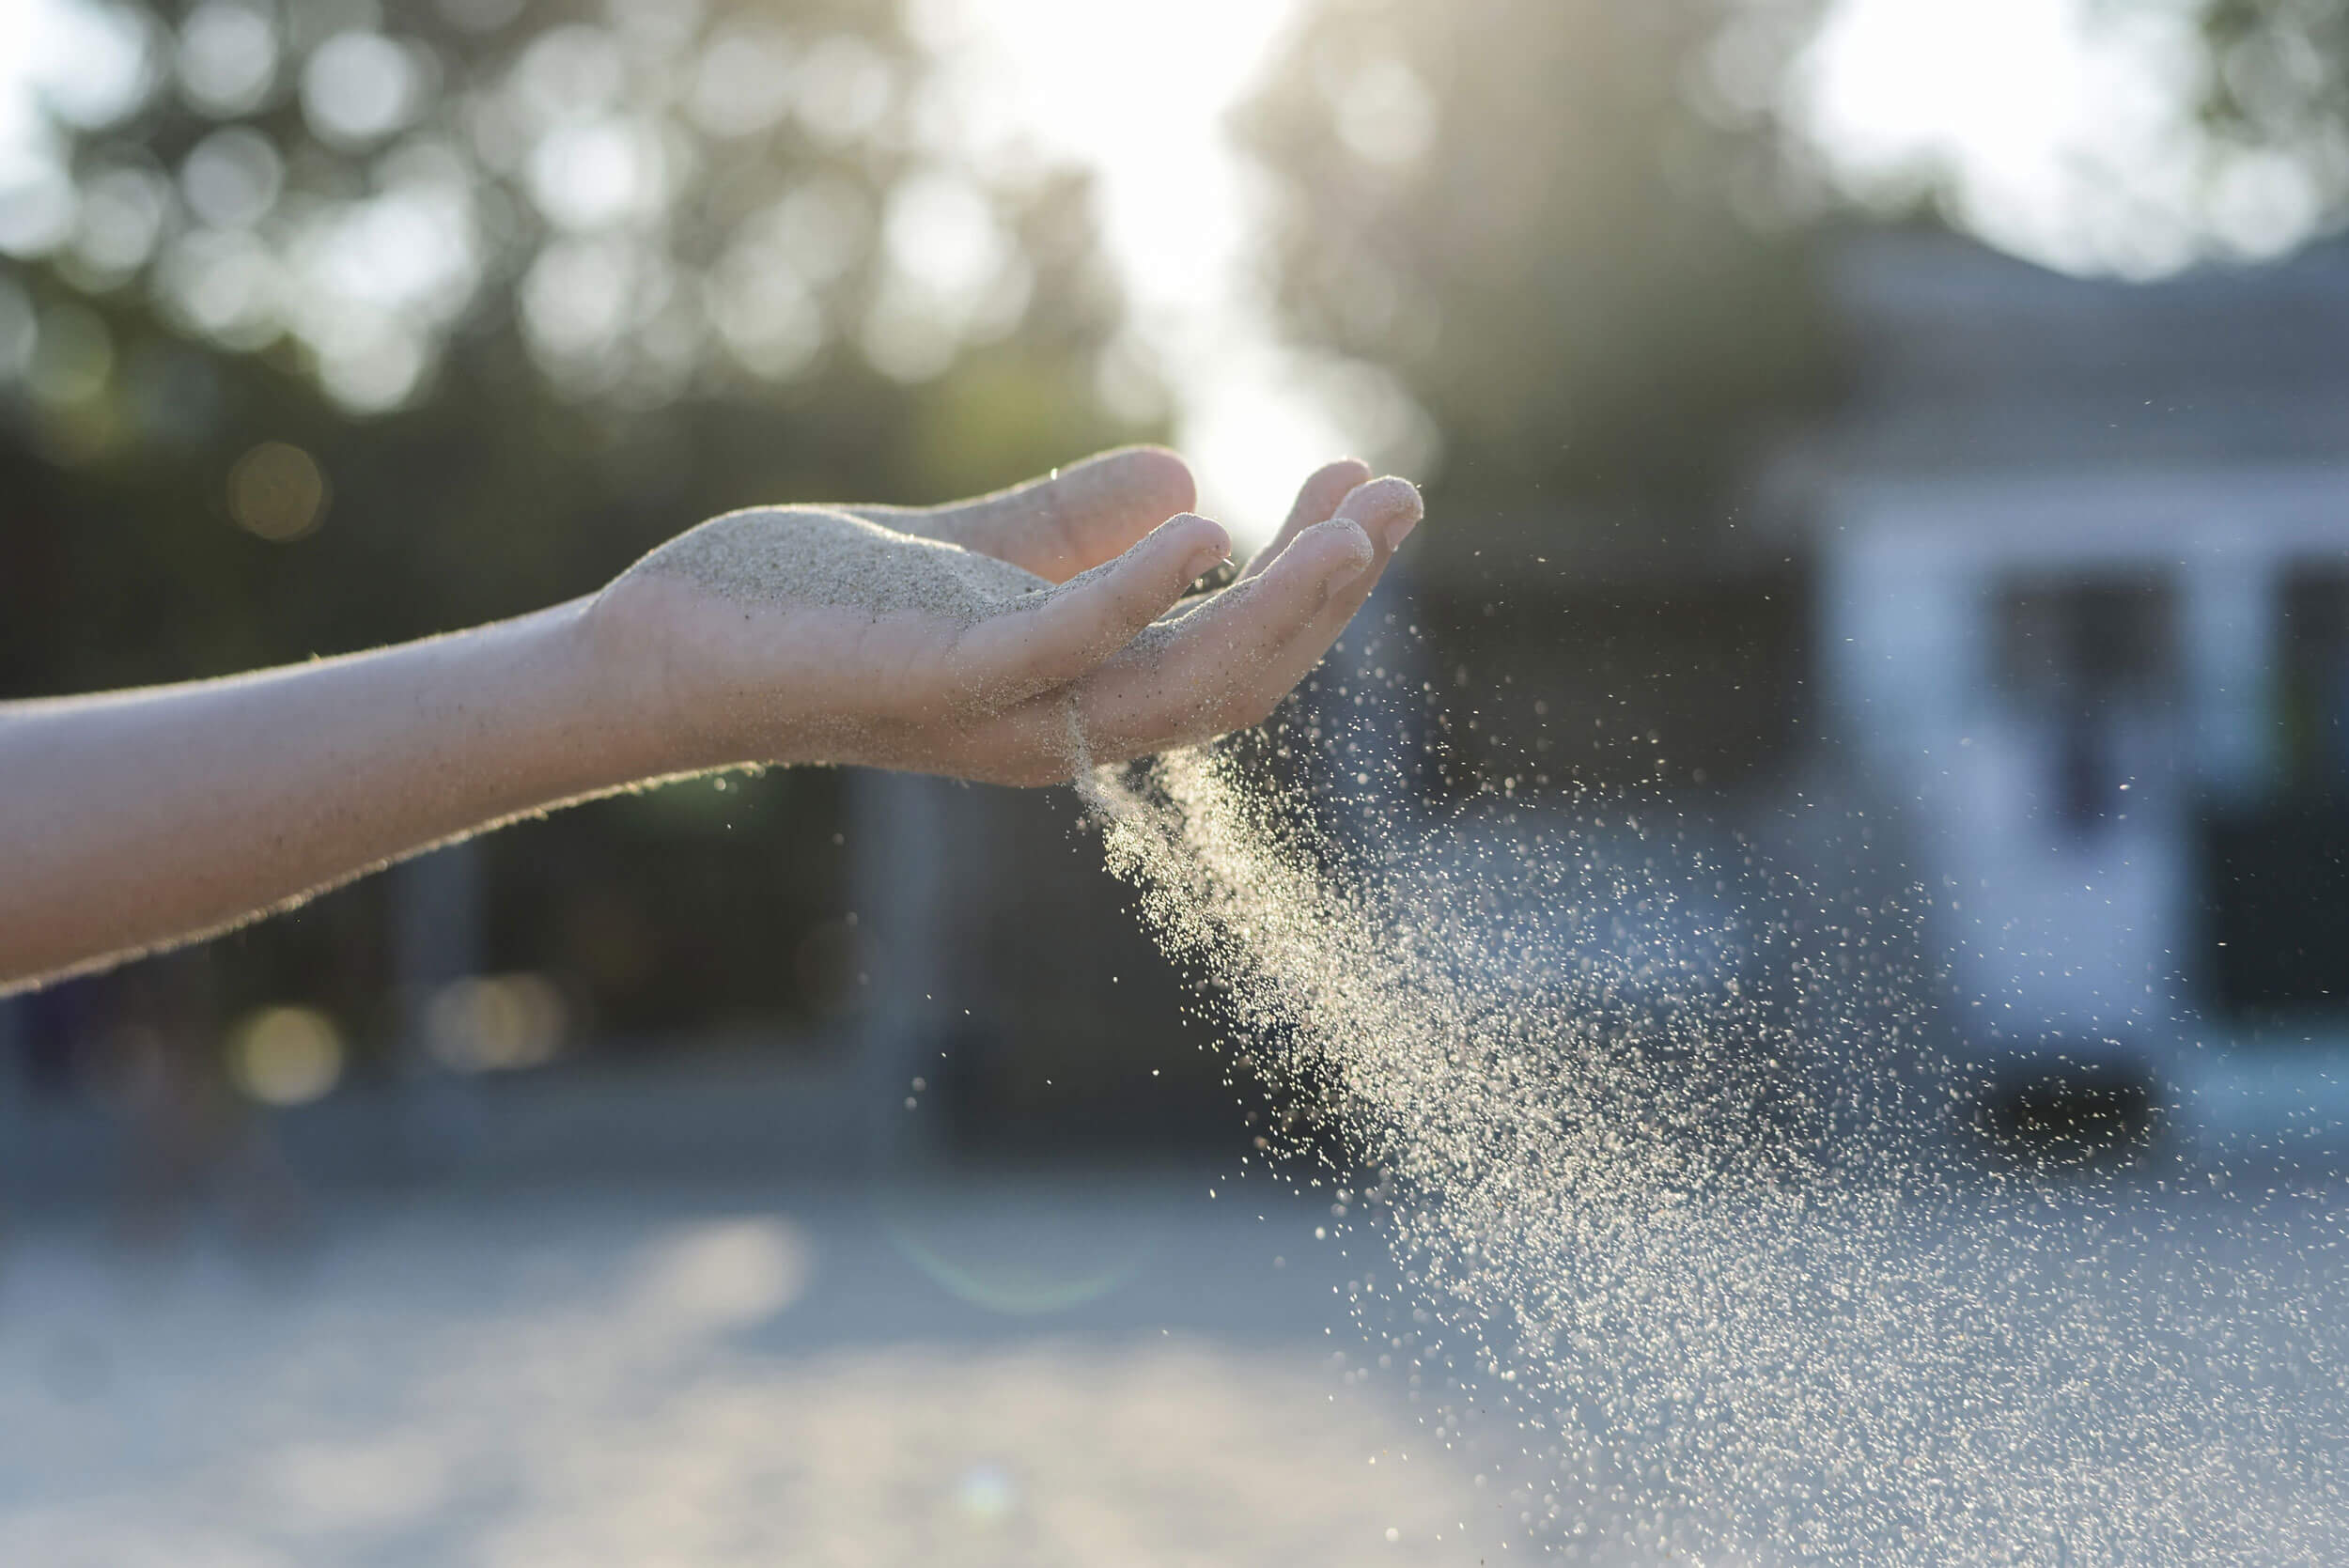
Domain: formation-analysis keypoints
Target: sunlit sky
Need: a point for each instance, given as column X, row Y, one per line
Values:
column 1141, row 93
column 2059, row 139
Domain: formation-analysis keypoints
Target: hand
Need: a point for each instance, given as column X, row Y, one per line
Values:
column 1009, row 639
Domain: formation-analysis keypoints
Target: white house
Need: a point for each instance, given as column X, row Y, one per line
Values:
column 2082, row 600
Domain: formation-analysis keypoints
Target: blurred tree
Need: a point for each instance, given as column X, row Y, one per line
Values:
column 2276, row 102
column 1563, row 225
column 326, row 322
column 595, row 270
column 1577, row 234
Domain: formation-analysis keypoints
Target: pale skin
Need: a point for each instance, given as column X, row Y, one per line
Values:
column 135, row 820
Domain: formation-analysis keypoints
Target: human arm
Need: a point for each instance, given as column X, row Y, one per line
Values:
column 130, row 820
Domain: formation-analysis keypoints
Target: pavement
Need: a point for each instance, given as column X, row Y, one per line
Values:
column 1067, row 1366
column 1119, row 1369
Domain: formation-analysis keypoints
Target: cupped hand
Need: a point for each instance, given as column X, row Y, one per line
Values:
column 1010, row 638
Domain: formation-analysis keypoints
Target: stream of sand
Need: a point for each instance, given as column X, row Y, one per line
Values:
column 1687, row 1232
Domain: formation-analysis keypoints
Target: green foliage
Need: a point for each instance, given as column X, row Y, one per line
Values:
column 606, row 270
column 1547, row 220
column 2278, row 94
column 2278, row 71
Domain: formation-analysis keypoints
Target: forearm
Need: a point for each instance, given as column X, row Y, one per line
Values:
column 135, row 819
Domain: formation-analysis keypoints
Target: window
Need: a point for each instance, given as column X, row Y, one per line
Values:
column 2081, row 656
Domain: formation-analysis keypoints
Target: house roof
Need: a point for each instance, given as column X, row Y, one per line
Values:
column 1964, row 360
column 1960, row 362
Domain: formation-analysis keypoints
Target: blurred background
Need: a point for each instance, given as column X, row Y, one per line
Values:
column 1905, row 438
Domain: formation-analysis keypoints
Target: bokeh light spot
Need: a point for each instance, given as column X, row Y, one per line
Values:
column 227, row 57
column 986, row 1494
column 845, row 88
column 1386, row 114
column 725, row 1274
column 73, row 356
column 232, row 177
column 597, row 174
column 224, row 285
column 37, row 203
column 286, row 1056
column 361, row 87
column 742, row 83
column 495, row 1023
column 101, row 64
column 122, row 214
column 277, row 492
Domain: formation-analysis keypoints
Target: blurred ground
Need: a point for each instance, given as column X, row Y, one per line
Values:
column 1066, row 1372
column 1069, row 1367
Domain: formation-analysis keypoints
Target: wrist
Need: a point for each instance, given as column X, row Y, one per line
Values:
column 673, row 687
column 609, row 718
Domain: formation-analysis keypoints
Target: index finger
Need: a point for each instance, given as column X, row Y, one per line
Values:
column 1062, row 632
column 1317, row 500
column 1227, row 664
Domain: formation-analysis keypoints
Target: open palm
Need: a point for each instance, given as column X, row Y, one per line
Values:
column 1007, row 638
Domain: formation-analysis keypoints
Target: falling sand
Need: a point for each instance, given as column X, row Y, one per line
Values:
column 1653, row 1192
column 1654, row 1195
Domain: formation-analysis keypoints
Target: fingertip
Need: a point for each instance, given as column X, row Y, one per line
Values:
column 1213, row 541
column 1372, row 497
column 1195, row 543
column 1339, row 551
column 1389, row 506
